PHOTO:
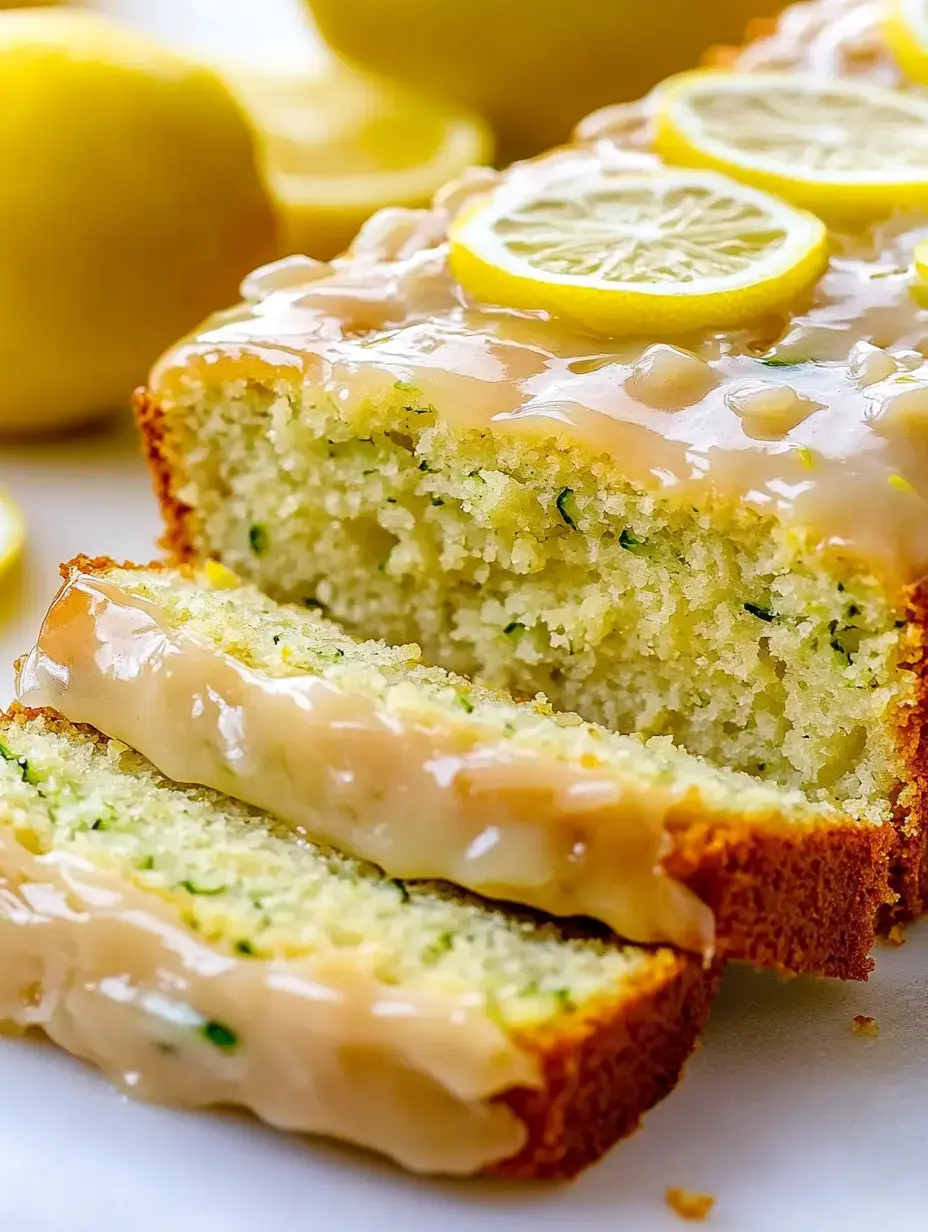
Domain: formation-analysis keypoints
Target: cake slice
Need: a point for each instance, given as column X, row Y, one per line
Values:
column 600, row 519
column 201, row 954
column 430, row 776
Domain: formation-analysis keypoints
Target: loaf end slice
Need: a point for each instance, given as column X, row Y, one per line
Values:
column 192, row 941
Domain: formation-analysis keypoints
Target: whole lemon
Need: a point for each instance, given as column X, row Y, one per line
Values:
column 131, row 204
column 532, row 68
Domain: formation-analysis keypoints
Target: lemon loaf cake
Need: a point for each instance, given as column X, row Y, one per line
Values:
column 707, row 519
column 430, row 776
column 200, row 954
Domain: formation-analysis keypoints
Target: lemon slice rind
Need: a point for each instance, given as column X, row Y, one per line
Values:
column 905, row 28
column 835, row 186
column 341, row 144
column 488, row 267
column 466, row 144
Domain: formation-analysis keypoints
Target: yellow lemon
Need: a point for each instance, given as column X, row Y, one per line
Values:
column 532, row 67
column 131, row 204
column 635, row 252
column 920, row 255
column 12, row 532
column 842, row 148
column 906, row 31
column 340, row 145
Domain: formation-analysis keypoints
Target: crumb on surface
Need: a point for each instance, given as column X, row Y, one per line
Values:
column 863, row 1024
column 896, row 935
column 688, row 1204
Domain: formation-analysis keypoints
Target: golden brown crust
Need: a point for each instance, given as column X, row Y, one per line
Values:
column 603, row 1068
column 805, row 901
column 910, row 862
column 176, row 539
column 606, row 1069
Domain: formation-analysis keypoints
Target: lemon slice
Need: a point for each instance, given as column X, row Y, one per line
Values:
column 626, row 252
column 920, row 258
column 12, row 531
column 919, row 274
column 906, row 31
column 340, row 145
column 837, row 147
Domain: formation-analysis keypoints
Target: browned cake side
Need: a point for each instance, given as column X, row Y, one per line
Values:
column 606, row 1070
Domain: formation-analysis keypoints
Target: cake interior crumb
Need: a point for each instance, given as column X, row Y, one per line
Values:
column 540, row 568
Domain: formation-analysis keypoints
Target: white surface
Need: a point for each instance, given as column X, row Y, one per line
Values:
column 786, row 1116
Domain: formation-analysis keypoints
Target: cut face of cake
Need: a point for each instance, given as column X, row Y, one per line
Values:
column 197, row 945
column 718, row 535
column 430, row 776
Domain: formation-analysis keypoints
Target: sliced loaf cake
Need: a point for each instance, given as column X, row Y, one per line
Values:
column 200, row 953
column 431, row 776
column 718, row 536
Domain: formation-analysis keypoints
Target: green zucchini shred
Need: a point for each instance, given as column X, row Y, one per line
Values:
column 762, row 613
column 218, row 1034
column 630, row 541
column 192, row 887
column 567, row 507
column 258, row 538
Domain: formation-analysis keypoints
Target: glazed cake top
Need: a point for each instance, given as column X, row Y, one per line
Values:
column 817, row 415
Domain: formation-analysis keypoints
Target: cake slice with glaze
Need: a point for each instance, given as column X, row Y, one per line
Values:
column 200, row 954
column 719, row 535
column 430, row 776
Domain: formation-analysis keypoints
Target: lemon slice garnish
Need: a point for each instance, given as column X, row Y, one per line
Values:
column 837, row 147
column 342, row 144
column 12, row 531
column 906, row 32
column 920, row 258
column 634, row 252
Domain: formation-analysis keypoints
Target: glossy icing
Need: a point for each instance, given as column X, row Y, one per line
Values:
column 409, row 790
column 836, row 459
column 313, row 1045
column 831, row 38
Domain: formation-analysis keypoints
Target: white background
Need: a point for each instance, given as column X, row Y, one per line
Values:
column 789, row 1119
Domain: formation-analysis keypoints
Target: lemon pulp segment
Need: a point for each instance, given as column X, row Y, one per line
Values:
column 630, row 252
column 341, row 145
column 839, row 147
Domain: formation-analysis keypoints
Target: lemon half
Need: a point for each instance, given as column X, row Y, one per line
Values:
column 623, row 252
column 841, row 148
column 341, row 145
